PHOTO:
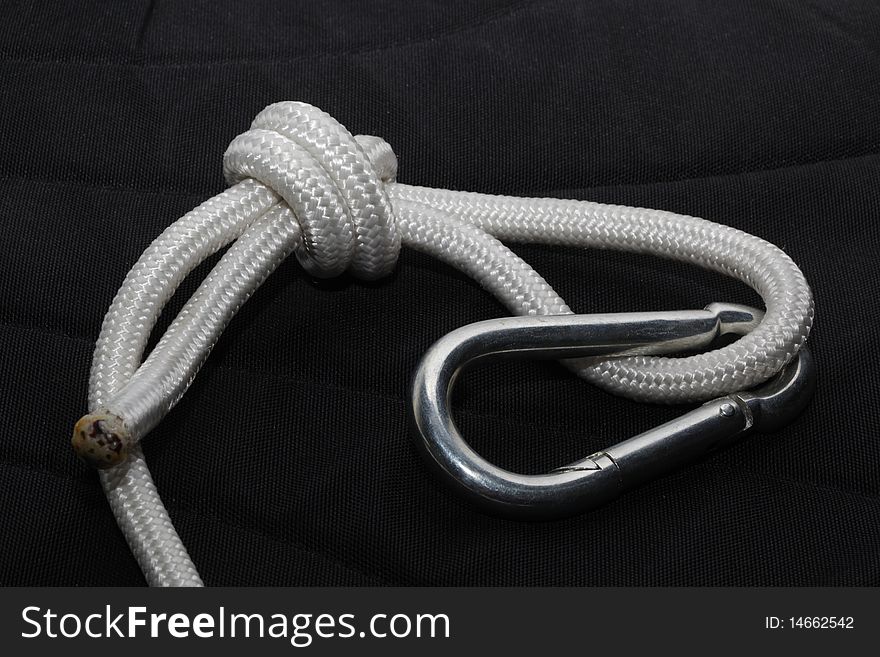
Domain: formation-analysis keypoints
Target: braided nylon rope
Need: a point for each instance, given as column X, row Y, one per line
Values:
column 300, row 183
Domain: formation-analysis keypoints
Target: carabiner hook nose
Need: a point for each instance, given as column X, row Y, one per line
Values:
column 735, row 318
column 602, row 476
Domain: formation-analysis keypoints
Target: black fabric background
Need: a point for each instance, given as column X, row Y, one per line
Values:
column 288, row 461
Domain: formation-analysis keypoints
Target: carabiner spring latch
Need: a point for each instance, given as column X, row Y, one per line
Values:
column 600, row 477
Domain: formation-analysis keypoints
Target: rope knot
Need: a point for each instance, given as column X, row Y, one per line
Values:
column 332, row 182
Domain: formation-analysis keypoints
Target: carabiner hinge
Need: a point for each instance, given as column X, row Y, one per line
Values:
column 604, row 475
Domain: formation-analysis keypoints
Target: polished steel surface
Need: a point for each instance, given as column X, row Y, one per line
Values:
column 602, row 476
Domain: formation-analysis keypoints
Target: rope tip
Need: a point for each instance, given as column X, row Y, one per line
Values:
column 101, row 440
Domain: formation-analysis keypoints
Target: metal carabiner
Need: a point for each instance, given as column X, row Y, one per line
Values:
column 602, row 476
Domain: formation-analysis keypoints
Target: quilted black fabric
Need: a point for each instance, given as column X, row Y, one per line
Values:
column 288, row 462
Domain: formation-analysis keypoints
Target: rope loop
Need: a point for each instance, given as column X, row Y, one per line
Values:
column 328, row 179
column 301, row 183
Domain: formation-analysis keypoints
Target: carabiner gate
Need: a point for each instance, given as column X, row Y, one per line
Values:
column 600, row 477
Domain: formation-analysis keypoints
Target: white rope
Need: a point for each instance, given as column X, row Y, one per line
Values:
column 301, row 183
